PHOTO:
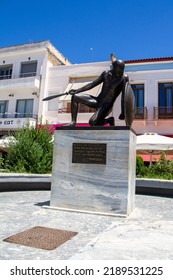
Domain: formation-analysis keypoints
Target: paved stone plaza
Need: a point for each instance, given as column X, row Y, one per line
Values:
column 145, row 234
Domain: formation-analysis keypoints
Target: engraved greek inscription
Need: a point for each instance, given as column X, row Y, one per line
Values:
column 89, row 153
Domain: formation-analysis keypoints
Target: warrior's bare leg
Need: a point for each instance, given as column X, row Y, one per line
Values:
column 99, row 118
column 87, row 100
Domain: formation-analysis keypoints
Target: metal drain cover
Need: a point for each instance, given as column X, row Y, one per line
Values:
column 41, row 237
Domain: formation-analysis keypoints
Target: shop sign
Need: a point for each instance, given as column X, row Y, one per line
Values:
column 6, row 123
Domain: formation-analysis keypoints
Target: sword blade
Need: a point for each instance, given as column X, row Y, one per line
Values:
column 54, row 96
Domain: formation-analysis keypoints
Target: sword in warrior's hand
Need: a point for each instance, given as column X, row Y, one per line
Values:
column 71, row 92
column 54, row 96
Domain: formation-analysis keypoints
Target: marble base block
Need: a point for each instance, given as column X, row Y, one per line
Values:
column 90, row 177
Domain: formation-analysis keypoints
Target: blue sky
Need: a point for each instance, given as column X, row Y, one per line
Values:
column 89, row 30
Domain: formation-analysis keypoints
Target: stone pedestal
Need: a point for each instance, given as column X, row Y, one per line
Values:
column 94, row 170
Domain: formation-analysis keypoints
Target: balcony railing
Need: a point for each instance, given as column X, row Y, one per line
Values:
column 163, row 112
column 82, row 109
column 141, row 113
column 31, row 74
column 67, row 110
column 18, row 115
column 5, row 77
column 21, row 75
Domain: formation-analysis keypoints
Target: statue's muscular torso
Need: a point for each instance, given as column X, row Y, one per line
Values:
column 112, row 86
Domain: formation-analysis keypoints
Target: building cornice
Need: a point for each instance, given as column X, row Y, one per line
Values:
column 34, row 47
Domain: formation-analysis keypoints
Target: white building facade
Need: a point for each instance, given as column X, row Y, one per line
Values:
column 23, row 82
column 30, row 72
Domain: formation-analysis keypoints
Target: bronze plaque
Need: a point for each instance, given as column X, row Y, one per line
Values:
column 90, row 153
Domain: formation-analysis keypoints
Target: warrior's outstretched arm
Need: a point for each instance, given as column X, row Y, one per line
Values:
column 89, row 86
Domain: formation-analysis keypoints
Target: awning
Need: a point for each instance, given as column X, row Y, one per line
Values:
column 153, row 144
column 78, row 83
column 5, row 143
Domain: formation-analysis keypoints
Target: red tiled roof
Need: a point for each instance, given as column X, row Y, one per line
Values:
column 149, row 60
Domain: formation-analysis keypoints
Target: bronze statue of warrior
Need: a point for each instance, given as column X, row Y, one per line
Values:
column 114, row 82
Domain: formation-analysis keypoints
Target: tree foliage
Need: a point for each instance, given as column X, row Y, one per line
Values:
column 140, row 167
column 162, row 169
column 32, row 151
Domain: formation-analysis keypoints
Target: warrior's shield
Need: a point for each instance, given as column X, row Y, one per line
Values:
column 128, row 104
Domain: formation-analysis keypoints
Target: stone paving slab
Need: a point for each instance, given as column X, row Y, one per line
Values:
column 145, row 234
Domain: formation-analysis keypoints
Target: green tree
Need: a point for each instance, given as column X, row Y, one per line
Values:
column 140, row 167
column 162, row 169
column 32, row 151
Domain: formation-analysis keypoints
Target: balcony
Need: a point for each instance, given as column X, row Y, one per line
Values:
column 82, row 109
column 29, row 80
column 163, row 113
column 141, row 113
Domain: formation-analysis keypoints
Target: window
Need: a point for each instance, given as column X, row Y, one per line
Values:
column 138, row 90
column 24, row 108
column 28, row 69
column 3, row 108
column 5, row 72
column 165, row 100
